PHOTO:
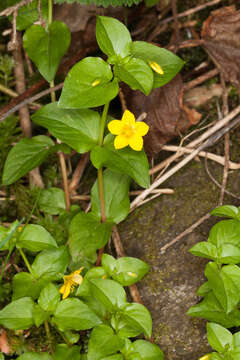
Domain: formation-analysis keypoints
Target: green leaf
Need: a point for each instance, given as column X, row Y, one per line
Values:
column 223, row 287
column 36, row 238
column 134, row 320
column 147, row 350
column 136, row 73
column 113, row 37
column 87, row 234
column 51, row 264
column 204, row 289
column 212, row 310
column 228, row 254
column 108, row 263
column 34, row 356
column 18, row 314
column 2, row 356
column 54, row 44
column 232, row 272
column 218, row 337
column 52, row 201
column 225, row 231
column 229, row 211
column 169, row 62
column 73, row 314
column 39, row 315
column 25, row 156
column 79, row 91
column 129, row 270
column 28, row 14
column 117, row 204
column 124, row 161
column 24, row 284
column 49, row 298
column 63, row 352
column 108, row 292
column 205, row 250
column 77, row 128
column 103, row 342
column 114, row 357
column 236, row 339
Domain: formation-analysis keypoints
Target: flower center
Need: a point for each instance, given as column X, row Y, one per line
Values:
column 128, row 130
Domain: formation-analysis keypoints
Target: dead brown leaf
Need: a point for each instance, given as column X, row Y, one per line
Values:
column 167, row 117
column 221, row 35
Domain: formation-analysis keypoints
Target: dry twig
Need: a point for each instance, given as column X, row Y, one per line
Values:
column 10, row 10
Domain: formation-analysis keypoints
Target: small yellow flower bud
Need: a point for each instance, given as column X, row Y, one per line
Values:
column 95, row 83
column 19, row 228
column 104, row 277
column 205, row 357
column 132, row 274
column 156, row 67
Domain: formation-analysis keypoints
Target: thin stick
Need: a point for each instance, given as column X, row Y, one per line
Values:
column 122, row 100
column 226, row 142
column 77, row 175
column 10, row 10
column 30, row 100
column 216, row 182
column 191, row 11
column 211, row 156
column 185, row 161
column 185, row 232
column 208, row 75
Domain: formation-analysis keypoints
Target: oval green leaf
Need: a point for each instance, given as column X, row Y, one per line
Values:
column 77, row 128
column 25, row 156
column 113, row 37
column 54, row 44
column 88, row 84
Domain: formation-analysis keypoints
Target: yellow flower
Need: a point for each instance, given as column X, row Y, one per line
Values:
column 70, row 281
column 156, row 67
column 128, row 131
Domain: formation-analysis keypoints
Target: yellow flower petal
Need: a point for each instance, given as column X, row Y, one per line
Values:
column 65, row 290
column 128, row 118
column 136, row 142
column 77, row 279
column 120, row 142
column 156, row 67
column 115, row 127
column 141, row 128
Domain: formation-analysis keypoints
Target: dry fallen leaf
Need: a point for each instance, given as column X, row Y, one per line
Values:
column 221, row 35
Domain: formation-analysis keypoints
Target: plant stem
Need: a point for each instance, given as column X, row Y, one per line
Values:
column 102, row 123
column 100, row 177
column 48, row 333
column 100, row 171
column 50, row 11
column 26, row 262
